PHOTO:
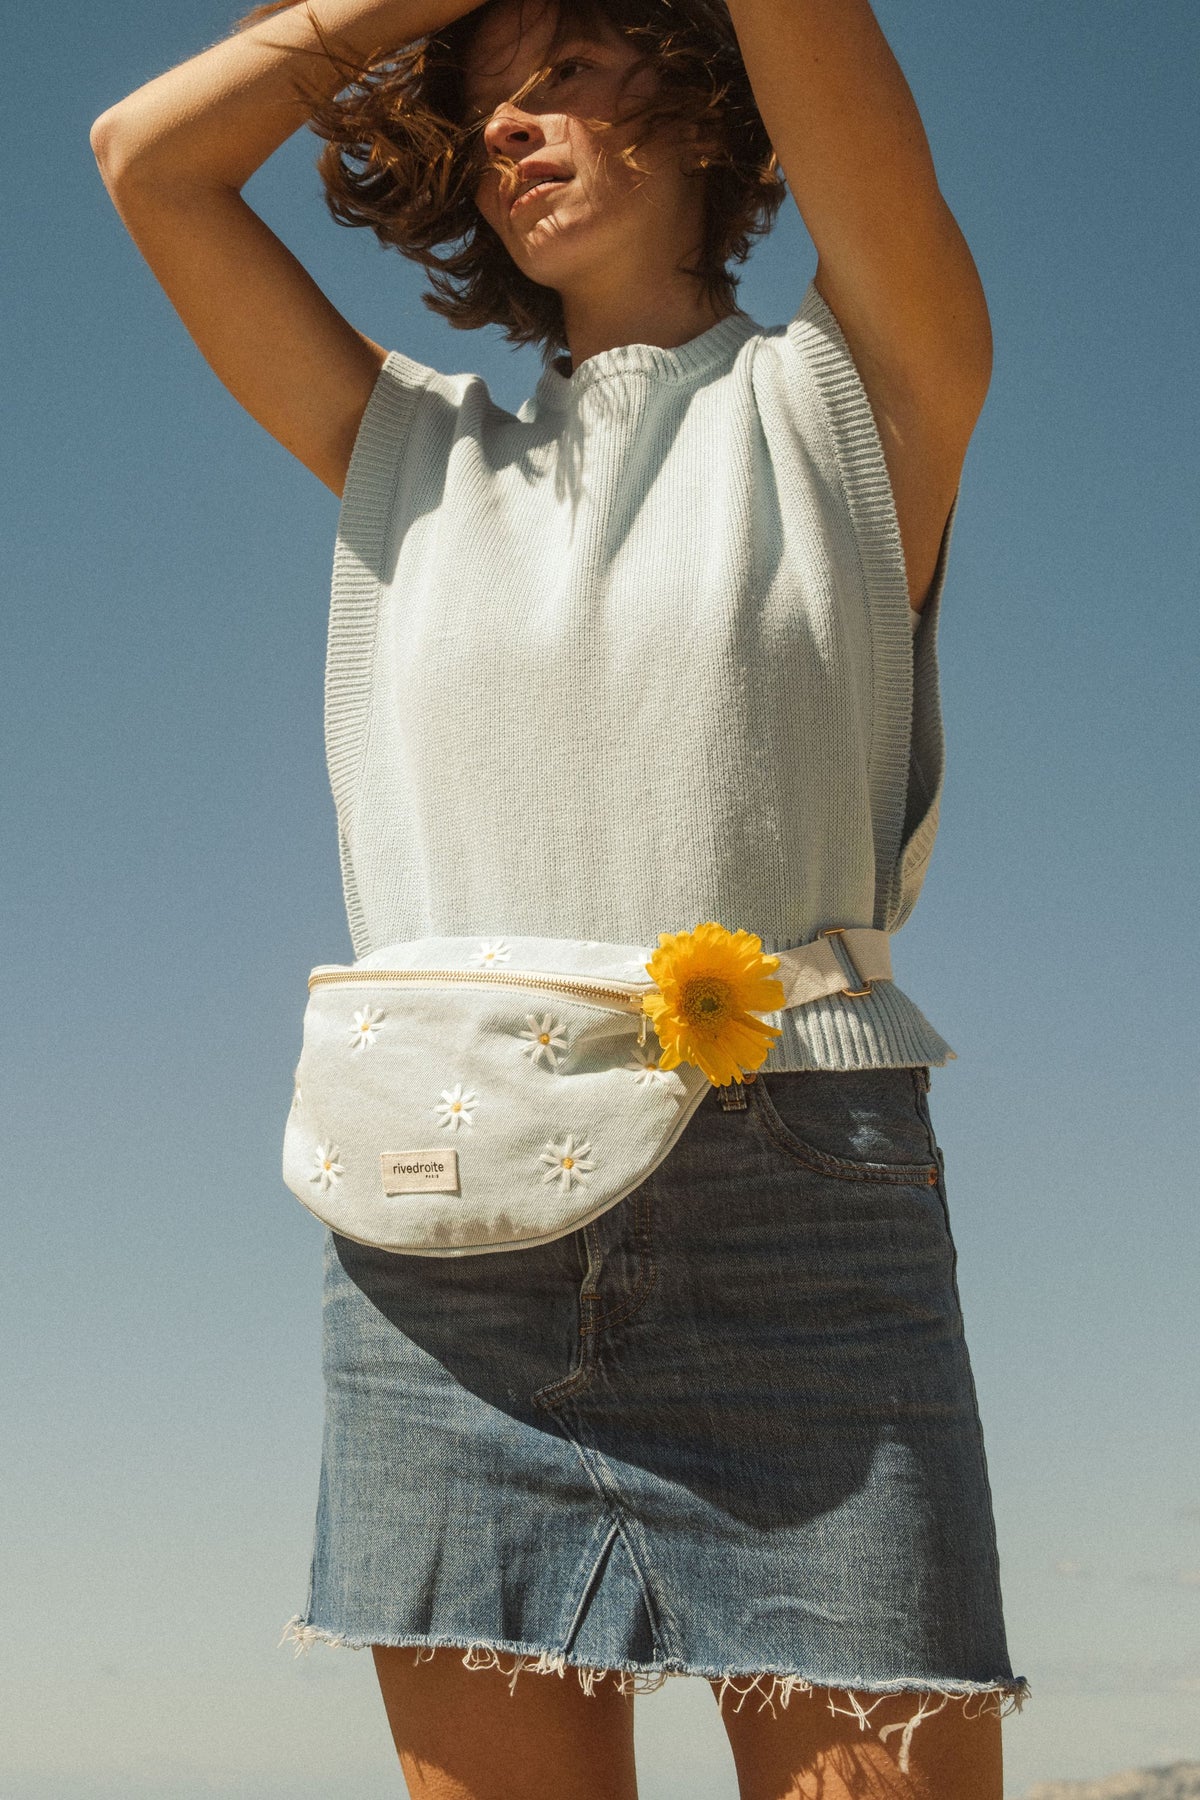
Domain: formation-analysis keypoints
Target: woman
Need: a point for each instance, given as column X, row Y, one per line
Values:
column 658, row 648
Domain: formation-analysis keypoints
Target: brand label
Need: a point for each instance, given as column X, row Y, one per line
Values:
column 419, row 1171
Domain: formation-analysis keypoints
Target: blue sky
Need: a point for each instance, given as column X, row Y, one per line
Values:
column 171, row 875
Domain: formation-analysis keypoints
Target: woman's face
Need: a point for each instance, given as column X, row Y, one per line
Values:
column 602, row 210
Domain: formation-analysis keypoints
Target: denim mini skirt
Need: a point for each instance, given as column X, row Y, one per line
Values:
column 729, row 1429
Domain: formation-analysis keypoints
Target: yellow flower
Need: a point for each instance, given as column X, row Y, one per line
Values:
column 710, row 984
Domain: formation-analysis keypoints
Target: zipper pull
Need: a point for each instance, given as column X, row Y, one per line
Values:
column 642, row 1028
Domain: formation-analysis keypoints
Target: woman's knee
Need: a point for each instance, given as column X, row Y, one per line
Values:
column 486, row 1733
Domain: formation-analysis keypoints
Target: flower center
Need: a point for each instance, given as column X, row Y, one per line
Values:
column 568, row 1162
column 706, row 1001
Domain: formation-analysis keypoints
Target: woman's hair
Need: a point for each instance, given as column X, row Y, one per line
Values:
column 403, row 156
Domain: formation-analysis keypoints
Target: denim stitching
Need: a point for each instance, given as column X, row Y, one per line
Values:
column 591, row 1320
column 891, row 1174
column 648, row 1268
column 940, row 1184
column 663, row 1623
column 919, row 1093
column 562, row 1390
column 599, row 1547
column 547, row 1397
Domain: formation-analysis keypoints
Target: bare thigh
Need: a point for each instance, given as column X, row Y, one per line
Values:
column 807, row 1752
column 461, row 1734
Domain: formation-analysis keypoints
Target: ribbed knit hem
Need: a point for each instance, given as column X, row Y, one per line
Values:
column 883, row 1031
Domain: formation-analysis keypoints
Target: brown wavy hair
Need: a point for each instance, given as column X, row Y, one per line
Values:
column 403, row 156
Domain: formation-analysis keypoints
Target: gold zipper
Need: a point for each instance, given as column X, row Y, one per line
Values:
column 628, row 996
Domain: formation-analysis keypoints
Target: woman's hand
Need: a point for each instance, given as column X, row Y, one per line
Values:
column 174, row 156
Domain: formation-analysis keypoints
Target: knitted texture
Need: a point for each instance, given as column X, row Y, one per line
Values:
column 638, row 656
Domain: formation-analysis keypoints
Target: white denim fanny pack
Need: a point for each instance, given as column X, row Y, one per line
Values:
column 456, row 1096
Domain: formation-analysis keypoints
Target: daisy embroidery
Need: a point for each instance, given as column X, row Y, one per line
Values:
column 543, row 1040
column 491, row 951
column 454, row 1107
column 648, row 1071
column 327, row 1169
column 569, row 1162
column 366, row 1027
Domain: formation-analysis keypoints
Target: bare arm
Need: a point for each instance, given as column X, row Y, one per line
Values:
column 174, row 156
column 893, row 266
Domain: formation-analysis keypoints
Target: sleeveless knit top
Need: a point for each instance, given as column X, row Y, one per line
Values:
column 638, row 656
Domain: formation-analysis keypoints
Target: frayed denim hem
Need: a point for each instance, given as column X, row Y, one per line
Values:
column 978, row 1697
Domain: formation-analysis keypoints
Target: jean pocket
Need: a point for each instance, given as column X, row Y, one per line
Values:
column 852, row 1125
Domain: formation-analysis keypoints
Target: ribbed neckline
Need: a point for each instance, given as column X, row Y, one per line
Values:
column 698, row 354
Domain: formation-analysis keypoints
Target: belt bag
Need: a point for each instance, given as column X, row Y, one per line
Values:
column 456, row 1096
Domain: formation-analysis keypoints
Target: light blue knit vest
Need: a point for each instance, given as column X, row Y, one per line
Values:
column 636, row 657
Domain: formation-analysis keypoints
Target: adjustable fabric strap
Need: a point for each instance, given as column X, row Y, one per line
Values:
column 814, row 971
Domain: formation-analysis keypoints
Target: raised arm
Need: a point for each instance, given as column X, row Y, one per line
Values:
column 893, row 266
column 174, row 156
